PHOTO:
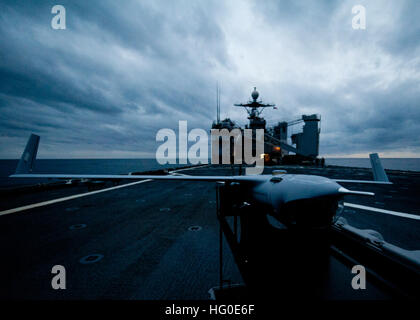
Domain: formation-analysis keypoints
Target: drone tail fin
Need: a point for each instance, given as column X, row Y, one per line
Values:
column 377, row 168
column 27, row 160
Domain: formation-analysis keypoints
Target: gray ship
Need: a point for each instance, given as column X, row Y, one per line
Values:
column 304, row 146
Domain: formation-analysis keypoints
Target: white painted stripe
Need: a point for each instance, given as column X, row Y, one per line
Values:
column 191, row 168
column 46, row 203
column 394, row 213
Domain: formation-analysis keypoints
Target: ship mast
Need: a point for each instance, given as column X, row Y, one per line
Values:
column 254, row 109
column 218, row 103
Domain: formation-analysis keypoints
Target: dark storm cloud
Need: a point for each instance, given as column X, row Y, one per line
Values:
column 123, row 70
column 116, row 75
column 365, row 84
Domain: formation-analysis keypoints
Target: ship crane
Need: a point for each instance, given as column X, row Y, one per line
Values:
column 307, row 141
column 293, row 122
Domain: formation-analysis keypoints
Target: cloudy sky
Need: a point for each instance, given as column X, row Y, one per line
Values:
column 122, row 70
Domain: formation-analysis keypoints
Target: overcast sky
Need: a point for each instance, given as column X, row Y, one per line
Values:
column 122, row 70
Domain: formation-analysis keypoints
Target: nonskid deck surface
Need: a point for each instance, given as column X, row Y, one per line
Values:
column 143, row 238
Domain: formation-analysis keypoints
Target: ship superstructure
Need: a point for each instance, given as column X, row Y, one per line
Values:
column 303, row 146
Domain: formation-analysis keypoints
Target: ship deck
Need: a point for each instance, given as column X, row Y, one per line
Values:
column 146, row 247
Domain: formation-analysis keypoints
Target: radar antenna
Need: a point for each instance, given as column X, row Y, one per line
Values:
column 254, row 109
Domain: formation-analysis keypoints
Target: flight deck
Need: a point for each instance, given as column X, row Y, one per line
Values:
column 157, row 240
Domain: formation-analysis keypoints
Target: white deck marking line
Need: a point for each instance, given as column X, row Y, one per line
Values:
column 191, row 168
column 80, row 195
column 394, row 213
column 48, row 202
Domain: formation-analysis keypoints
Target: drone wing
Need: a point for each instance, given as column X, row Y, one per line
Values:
column 130, row 177
column 27, row 160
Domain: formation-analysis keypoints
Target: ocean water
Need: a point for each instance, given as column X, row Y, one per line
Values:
column 404, row 164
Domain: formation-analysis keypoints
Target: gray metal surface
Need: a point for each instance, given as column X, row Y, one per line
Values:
column 377, row 168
